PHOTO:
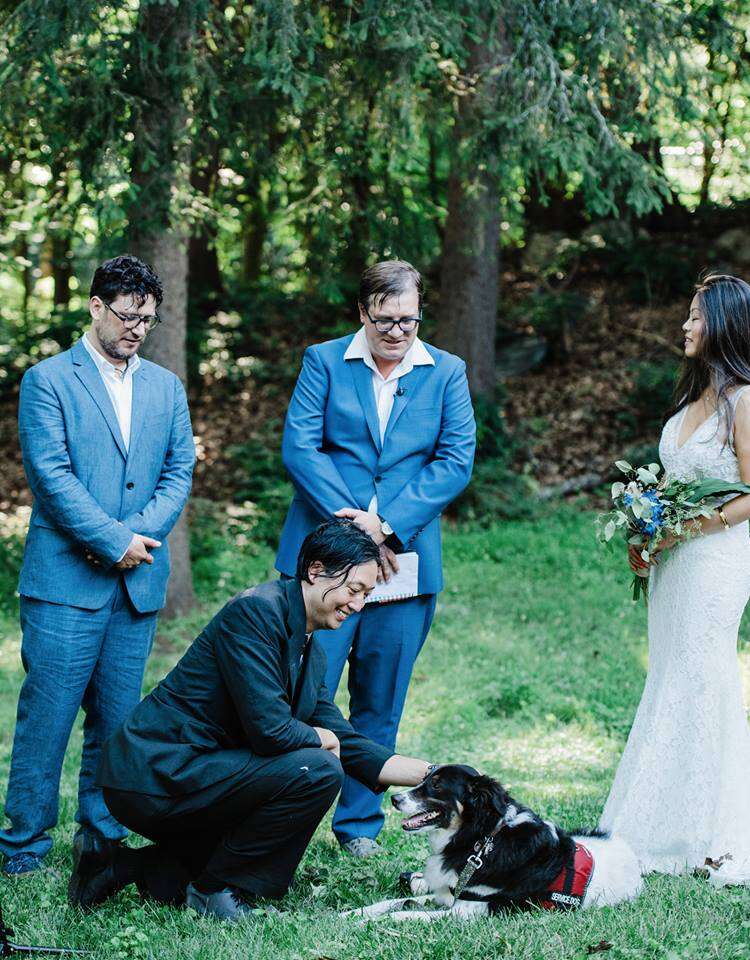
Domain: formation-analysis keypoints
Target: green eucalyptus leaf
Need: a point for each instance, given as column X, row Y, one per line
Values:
column 647, row 477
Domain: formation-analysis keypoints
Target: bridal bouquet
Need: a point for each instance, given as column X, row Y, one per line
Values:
column 647, row 509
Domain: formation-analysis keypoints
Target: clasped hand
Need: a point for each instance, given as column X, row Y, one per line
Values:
column 329, row 741
column 137, row 552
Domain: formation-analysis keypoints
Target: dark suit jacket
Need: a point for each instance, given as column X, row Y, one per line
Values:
column 238, row 691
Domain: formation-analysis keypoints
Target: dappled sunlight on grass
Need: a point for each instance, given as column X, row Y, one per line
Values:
column 532, row 673
column 10, row 645
column 553, row 759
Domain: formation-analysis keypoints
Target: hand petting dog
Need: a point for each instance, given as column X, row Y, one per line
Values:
column 491, row 853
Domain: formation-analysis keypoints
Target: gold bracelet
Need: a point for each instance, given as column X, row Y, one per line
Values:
column 723, row 518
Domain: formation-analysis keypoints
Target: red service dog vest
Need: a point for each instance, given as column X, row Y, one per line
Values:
column 569, row 887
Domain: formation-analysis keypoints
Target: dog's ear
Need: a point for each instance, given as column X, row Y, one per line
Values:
column 487, row 794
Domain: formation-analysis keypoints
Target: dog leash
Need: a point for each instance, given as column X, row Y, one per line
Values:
column 476, row 859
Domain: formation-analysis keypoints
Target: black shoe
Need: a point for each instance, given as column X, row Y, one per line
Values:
column 22, row 865
column 93, row 879
column 226, row 904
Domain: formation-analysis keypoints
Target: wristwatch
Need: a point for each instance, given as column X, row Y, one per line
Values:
column 385, row 528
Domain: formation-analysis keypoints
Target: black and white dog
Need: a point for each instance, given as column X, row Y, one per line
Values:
column 490, row 852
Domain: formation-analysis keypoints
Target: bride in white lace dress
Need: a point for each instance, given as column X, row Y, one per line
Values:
column 682, row 790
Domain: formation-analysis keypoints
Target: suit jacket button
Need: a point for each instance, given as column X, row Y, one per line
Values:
column 378, row 478
column 130, row 484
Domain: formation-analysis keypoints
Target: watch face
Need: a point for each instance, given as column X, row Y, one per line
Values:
column 386, row 528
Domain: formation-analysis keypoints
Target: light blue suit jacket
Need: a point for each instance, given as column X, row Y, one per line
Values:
column 332, row 449
column 90, row 492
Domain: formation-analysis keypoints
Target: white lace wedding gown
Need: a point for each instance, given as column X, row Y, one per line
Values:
column 682, row 789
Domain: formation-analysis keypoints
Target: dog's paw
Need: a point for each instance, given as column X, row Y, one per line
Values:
column 412, row 881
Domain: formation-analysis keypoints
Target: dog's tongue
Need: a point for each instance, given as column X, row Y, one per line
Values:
column 419, row 820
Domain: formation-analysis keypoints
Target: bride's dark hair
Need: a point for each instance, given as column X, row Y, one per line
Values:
column 723, row 359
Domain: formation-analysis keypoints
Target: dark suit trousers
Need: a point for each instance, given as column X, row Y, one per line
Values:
column 248, row 831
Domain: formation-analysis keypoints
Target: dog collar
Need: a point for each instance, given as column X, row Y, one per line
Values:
column 476, row 859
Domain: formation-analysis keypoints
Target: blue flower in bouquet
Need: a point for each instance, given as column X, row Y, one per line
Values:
column 649, row 526
column 656, row 519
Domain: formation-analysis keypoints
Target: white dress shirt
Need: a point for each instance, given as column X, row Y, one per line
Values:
column 384, row 388
column 119, row 384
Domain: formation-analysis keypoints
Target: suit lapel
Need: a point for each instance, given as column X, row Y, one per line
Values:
column 409, row 385
column 85, row 370
column 363, row 383
column 296, row 625
column 141, row 394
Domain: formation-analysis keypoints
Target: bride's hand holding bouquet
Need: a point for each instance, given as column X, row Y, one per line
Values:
column 653, row 515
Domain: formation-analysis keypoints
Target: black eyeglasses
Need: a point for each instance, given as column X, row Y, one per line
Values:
column 386, row 324
column 131, row 320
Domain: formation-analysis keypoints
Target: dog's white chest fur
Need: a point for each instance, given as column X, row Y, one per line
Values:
column 438, row 880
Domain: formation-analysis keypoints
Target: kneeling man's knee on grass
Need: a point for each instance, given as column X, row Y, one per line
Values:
column 323, row 769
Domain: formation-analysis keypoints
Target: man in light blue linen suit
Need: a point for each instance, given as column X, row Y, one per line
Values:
column 380, row 429
column 108, row 452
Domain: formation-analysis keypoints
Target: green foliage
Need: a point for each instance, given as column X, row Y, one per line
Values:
column 497, row 488
column 12, row 536
column 653, row 271
column 649, row 397
column 261, row 485
column 312, row 138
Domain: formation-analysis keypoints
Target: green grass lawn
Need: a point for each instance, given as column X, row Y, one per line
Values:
column 532, row 673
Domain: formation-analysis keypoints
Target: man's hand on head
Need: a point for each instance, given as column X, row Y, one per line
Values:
column 366, row 520
column 137, row 552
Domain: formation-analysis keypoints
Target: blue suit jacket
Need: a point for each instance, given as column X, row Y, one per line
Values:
column 332, row 450
column 90, row 493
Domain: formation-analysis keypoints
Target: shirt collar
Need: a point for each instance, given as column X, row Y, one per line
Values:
column 416, row 356
column 104, row 366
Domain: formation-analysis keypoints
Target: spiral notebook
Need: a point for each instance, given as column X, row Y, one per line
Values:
column 402, row 585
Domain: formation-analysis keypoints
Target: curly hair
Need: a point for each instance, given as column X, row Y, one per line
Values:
column 128, row 275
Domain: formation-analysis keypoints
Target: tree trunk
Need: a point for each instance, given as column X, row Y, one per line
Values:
column 167, row 253
column 470, row 270
column 205, row 283
column 255, row 226
column 62, row 270
column 469, row 282
column 160, row 161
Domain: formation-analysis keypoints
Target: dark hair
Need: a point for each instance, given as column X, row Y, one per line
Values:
column 338, row 545
column 129, row 275
column 723, row 359
column 389, row 278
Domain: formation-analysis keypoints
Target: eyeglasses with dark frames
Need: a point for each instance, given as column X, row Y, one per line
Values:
column 131, row 320
column 386, row 324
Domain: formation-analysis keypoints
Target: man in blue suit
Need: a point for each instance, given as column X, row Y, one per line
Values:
column 380, row 429
column 108, row 452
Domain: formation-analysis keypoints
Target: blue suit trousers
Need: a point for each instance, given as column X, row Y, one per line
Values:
column 72, row 658
column 381, row 643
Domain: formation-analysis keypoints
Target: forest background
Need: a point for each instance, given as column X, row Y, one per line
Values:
column 561, row 171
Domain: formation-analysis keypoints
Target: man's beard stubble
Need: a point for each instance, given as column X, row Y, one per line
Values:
column 111, row 347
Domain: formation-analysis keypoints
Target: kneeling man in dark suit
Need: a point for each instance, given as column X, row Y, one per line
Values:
column 233, row 759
